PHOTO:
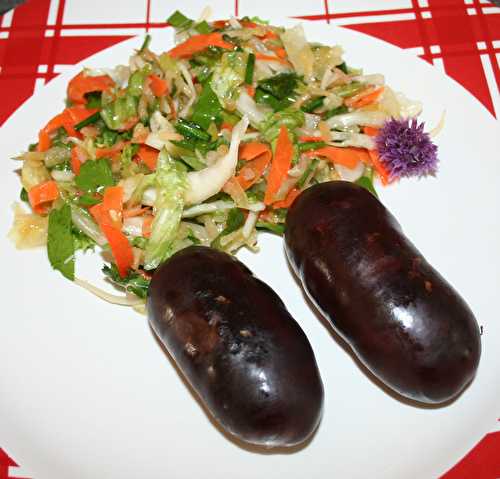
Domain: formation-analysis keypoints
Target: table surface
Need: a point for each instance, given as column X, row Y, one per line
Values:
column 41, row 38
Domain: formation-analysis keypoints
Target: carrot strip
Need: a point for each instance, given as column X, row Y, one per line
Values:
column 290, row 198
column 280, row 165
column 310, row 139
column 130, row 213
column 120, row 247
column 42, row 194
column 270, row 58
column 250, row 90
column 364, row 98
column 280, row 51
column 109, row 212
column 198, row 43
column 227, row 126
column 67, row 119
column 76, row 164
column 81, row 84
column 379, row 167
column 370, row 130
column 258, row 156
column 109, row 152
column 159, row 87
column 146, row 226
column 348, row 157
column 149, row 156
column 269, row 35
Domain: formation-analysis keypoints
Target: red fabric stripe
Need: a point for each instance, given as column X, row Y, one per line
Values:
column 56, row 37
column 454, row 32
column 148, row 14
column 22, row 55
column 327, row 13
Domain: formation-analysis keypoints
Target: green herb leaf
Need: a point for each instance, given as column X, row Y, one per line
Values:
column 207, row 108
column 343, row 67
column 95, row 175
column 82, row 242
column 133, row 282
column 367, row 183
column 280, row 86
column 60, row 242
column 88, row 200
column 24, row 195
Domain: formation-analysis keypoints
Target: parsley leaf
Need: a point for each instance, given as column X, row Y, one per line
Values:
column 95, row 175
column 60, row 242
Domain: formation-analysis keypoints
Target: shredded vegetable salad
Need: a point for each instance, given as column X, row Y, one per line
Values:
column 207, row 143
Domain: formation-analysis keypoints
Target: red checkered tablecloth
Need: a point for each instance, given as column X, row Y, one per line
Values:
column 41, row 38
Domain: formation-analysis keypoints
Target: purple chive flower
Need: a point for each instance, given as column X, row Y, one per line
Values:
column 406, row 150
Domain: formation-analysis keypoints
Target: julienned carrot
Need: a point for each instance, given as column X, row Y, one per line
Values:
column 310, row 139
column 280, row 165
column 280, row 51
column 364, row 98
column 290, row 198
column 270, row 58
column 42, row 194
column 67, row 120
column 146, row 226
column 370, row 130
column 109, row 152
column 198, row 43
column 348, row 157
column 379, row 167
column 250, row 90
column 269, row 35
column 120, row 247
column 82, row 84
column 158, row 86
column 257, row 155
column 130, row 213
column 109, row 212
column 149, row 156
column 76, row 164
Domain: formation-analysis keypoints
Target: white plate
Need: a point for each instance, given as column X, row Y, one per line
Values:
column 87, row 392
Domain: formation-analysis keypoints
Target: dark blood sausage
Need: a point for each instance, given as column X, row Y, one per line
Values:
column 401, row 318
column 235, row 342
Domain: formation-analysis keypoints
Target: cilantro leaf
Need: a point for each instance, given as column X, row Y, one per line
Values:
column 60, row 242
column 95, row 175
